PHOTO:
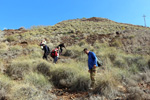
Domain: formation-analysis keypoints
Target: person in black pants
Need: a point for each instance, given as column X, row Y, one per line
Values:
column 46, row 51
column 62, row 45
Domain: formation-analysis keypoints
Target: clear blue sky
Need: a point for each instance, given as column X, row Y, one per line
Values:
column 27, row 13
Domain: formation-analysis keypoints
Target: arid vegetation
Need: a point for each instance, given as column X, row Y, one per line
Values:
column 123, row 48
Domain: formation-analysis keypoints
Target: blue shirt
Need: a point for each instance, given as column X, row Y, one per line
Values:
column 92, row 60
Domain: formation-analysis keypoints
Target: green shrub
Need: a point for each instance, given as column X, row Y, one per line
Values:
column 5, row 87
column 18, row 69
column 119, row 62
column 71, row 76
column 11, row 38
column 117, row 43
column 44, row 67
column 38, row 80
column 136, row 63
column 64, row 77
column 82, row 83
column 3, row 46
column 15, row 48
column 29, row 92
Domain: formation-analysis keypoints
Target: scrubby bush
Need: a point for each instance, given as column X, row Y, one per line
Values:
column 18, row 69
column 35, row 55
column 137, row 86
column 136, row 63
column 38, row 80
column 3, row 48
column 44, row 67
column 11, row 38
column 64, row 76
column 29, row 92
column 107, row 85
column 15, row 48
column 72, row 53
column 71, row 76
column 5, row 87
column 81, row 83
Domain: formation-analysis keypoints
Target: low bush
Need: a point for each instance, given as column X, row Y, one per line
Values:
column 29, row 92
column 107, row 84
column 63, row 77
column 18, row 69
column 137, row 86
column 43, row 67
column 15, row 48
column 72, row 77
column 11, row 38
column 5, row 87
column 38, row 80
column 3, row 46
column 82, row 83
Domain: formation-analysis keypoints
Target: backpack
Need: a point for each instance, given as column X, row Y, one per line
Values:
column 53, row 53
column 48, row 49
column 99, row 62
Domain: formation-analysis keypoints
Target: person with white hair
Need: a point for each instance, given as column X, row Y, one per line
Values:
column 43, row 42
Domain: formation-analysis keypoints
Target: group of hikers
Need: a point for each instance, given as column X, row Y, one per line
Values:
column 93, row 61
column 54, row 53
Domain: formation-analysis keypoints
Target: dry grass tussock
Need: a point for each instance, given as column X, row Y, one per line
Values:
column 5, row 87
column 38, row 80
column 29, row 92
column 17, row 69
column 73, row 76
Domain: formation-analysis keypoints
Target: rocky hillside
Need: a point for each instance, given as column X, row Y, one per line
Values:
column 123, row 48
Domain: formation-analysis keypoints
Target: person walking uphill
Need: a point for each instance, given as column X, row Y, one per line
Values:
column 55, row 54
column 46, row 51
column 92, row 64
column 62, row 45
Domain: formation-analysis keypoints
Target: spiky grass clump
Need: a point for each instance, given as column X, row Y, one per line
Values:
column 18, row 69
column 5, row 87
column 29, row 92
column 38, row 80
column 73, row 76
column 43, row 67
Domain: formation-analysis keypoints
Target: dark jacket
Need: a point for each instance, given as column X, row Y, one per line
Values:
column 61, row 45
column 92, row 60
column 46, row 49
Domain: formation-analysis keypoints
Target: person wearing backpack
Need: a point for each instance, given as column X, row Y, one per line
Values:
column 92, row 65
column 55, row 54
column 62, row 45
column 46, row 51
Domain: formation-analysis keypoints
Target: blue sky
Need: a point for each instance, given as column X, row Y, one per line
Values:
column 27, row 13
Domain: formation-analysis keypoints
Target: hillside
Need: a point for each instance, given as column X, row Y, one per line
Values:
column 123, row 48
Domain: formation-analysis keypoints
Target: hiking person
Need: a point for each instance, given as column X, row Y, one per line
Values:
column 62, row 45
column 55, row 54
column 42, row 42
column 92, row 64
column 46, row 51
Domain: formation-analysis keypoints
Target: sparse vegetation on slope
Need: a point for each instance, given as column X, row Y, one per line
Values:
column 123, row 48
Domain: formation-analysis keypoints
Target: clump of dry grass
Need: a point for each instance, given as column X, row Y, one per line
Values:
column 38, row 80
column 11, row 38
column 5, row 87
column 43, row 67
column 18, row 69
column 70, row 75
column 29, row 92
